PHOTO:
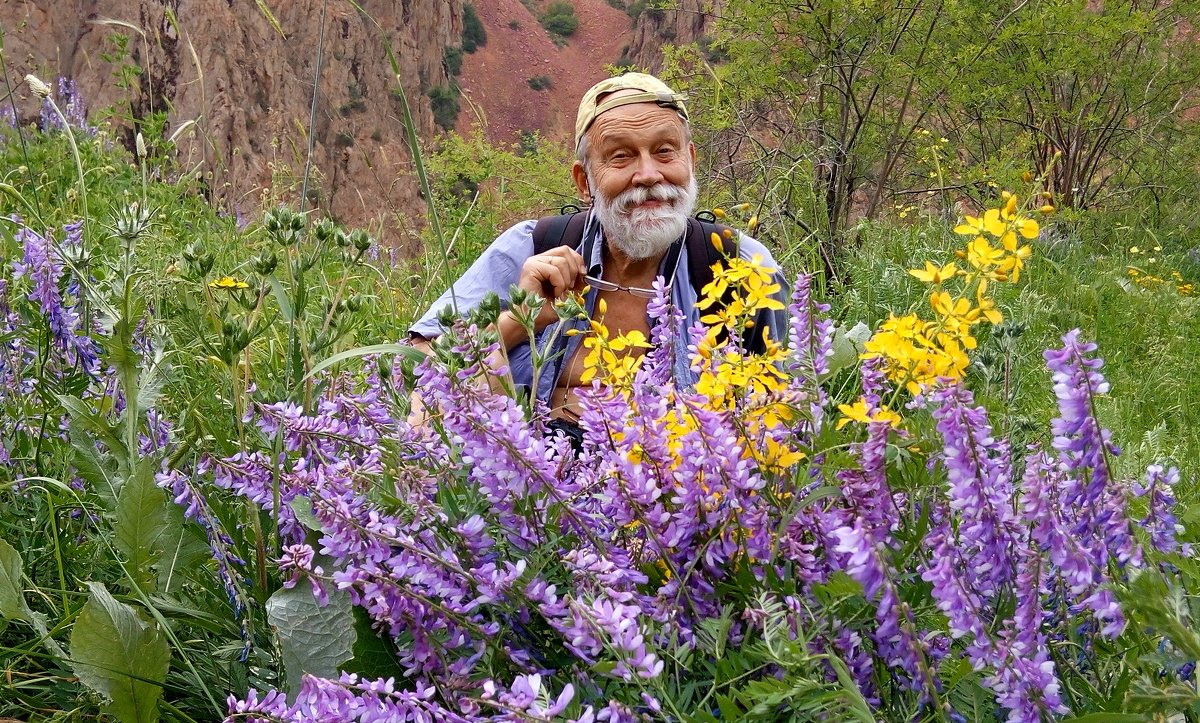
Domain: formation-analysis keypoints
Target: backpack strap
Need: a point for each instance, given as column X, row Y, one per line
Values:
column 703, row 255
column 565, row 229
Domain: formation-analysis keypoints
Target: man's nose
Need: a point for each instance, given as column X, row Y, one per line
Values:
column 648, row 171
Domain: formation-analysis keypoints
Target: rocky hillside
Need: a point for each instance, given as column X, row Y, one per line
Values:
column 653, row 28
column 243, row 71
column 245, row 77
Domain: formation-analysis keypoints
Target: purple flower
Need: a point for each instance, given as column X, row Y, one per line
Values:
column 810, row 332
column 980, row 490
column 1160, row 519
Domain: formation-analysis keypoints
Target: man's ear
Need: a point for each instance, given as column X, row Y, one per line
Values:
column 692, row 153
column 581, row 182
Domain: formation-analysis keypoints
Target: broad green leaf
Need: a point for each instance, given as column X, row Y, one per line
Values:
column 140, row 523
column 12, row 600
column 314, row 639
column 182, row 548
column 374, row 655
column 120, row 656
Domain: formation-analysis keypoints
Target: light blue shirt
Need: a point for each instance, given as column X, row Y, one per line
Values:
column 499, row 267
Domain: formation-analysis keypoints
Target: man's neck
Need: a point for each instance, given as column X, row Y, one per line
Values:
column 620, row 269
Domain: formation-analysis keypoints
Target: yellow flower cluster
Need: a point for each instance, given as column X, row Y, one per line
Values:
column 750, row 386
column 919, row 351
column 1150, row 281
column 614, row 361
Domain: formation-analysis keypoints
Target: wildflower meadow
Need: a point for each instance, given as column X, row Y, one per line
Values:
column 231, row 491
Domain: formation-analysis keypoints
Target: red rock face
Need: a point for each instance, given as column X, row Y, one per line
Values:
column 248, row 83
column 246, row 80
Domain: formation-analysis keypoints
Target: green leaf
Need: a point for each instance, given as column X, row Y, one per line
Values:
column 12, row 600
column 183, row 548
column 281, row 298
column 314, row 639
column 120, row 656
column 374, row 655
column 1107, row 718
column 402, row 349
column 140, row 523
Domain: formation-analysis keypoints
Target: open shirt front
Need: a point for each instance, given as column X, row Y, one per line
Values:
column 499, row 267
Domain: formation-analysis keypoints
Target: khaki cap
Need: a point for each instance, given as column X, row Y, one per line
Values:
column 652, row 90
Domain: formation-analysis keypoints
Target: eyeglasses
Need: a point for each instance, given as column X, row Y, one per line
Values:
column 603, row 285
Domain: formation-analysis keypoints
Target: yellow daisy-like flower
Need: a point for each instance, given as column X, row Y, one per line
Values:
column 228, row 283
column 934, row 274
column 858, row 412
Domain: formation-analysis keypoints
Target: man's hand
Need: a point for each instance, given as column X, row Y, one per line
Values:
column 552, row 275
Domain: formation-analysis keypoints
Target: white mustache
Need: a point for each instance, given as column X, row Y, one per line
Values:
column 640, row 194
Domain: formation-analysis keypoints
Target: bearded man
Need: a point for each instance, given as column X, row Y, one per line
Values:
column 635, row 161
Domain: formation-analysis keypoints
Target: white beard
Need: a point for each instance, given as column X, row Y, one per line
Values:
column 645, row 233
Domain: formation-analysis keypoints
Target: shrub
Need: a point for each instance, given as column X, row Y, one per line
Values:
column 444, row 102
column 540, row 82
column 473, row 35
column 560, row 20
column 453, row 58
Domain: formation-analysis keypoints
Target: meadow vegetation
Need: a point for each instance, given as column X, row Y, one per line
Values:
column 932, row 501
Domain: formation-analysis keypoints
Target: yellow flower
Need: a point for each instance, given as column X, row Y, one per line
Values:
column 1134, row 250
column 934, row 274
column 228, row 283
column 719, row 212
column 982, row 255
column 858, row 412
column 717, row 242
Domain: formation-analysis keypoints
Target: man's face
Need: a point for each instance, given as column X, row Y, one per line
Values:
column 639, row 174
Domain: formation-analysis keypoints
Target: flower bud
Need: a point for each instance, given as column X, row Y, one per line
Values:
column 140, row 143
column 1047, row 209
column 39, row 88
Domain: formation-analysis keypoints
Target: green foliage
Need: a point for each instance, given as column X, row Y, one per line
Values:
column 141, row 525
column 452, row 57
column 856, row 97
column 444, row 102
column 559, row 20
column 474, row 36
column 120, row 656
column 540, row 82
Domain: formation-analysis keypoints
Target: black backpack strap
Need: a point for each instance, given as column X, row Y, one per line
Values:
column 565, row 229
column 703, row 255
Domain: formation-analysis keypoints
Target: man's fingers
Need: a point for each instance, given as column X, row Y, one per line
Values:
column 559, row 271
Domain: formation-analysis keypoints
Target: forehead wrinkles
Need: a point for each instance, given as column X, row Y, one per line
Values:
column 640, row 121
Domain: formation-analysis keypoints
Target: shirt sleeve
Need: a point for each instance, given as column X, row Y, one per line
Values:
column 775, row 319
column 496, row 270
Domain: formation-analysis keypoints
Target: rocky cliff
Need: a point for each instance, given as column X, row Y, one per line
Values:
column 654, row 28
column 244, row 72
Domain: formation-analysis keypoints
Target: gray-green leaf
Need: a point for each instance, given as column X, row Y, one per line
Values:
column 314, row 639
column 120, row 656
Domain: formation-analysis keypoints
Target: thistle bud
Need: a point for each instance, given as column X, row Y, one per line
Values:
column 39, row 88
column 264, row 264
column 361, row 240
